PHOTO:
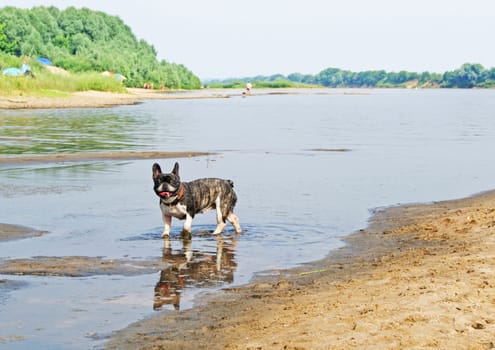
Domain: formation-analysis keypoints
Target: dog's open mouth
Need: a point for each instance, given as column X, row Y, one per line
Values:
column 165, row 194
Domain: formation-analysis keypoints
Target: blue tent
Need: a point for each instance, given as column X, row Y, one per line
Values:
column 44, row 60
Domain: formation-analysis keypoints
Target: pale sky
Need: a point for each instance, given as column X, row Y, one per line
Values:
column 226, row 38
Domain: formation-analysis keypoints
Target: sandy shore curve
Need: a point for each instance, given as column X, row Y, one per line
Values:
column 420, row 276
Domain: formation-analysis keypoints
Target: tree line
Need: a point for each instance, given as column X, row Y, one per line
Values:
column 467, row 76
column 81, row 40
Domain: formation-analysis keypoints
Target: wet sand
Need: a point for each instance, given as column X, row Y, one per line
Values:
column 79, row 157
column 11, row 232
column 420, row 276
column 79, row 266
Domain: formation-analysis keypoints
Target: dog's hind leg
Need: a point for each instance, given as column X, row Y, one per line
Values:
column 220, row 227
column 220, row 221
column 234, row 220
column 220, row 224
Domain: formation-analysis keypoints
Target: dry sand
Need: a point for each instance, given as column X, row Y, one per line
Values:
column 419, row 277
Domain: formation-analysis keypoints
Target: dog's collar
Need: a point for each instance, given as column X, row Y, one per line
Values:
column 180, row 194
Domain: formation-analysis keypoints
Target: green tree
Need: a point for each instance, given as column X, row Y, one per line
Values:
column 84, row 40
column 331, row 77
column 468, row 76
column 6, row 45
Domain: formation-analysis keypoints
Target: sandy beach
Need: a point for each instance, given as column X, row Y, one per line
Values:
column 420, row 276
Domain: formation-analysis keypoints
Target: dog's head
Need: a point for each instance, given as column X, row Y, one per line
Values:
column 166, row 186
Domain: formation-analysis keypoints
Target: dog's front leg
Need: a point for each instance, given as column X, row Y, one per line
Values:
column 167, row 220
column 187, row 229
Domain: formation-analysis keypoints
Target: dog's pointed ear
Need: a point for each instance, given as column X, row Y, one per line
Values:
column 156, row 170
column 175, row 171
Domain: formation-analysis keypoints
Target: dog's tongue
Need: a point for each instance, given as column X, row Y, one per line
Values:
column 164, row 194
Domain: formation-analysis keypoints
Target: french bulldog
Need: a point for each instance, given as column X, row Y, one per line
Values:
column 183, row 200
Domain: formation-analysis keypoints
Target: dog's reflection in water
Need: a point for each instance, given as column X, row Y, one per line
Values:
column 190, row 268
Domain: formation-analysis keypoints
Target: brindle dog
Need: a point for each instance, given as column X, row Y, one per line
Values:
column 183, row 200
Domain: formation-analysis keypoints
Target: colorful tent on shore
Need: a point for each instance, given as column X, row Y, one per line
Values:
column 45, row 61
column 116, row 75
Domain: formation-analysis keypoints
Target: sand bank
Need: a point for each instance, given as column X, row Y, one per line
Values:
column 78, row 266
column 420, row 276
column 12, row 232
column 79, row 157
column 96, row 99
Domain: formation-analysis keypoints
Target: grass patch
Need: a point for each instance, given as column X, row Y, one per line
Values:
column 54, row 93
column 46, row 83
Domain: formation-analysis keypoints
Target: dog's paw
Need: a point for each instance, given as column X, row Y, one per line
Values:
column 166, row 234
column 186, row 234
column 219, row 229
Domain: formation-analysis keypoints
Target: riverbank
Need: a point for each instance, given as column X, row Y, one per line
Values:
column 419, row 276
column 95, row 99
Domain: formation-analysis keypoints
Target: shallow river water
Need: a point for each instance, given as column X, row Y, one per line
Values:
column 308, row 169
